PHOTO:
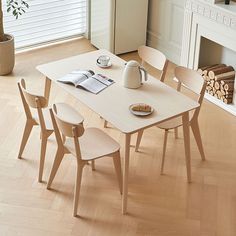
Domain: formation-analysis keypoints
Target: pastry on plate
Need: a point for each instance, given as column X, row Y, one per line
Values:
column 142, row 108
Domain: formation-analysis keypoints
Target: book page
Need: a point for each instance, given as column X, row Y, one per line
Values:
column 103, row 79
column 93, row 85
column 76, row 77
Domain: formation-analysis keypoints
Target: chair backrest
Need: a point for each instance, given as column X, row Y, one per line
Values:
column 68, row 122
column 33, row 101
column 193, row 81
column 154, row 58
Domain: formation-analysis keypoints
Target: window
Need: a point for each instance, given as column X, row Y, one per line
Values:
column 47, row 20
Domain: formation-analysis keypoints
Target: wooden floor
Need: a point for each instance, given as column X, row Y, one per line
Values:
column 158, row 205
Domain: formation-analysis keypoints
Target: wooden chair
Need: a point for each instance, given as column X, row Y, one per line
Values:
column 196, row 84
column 85, row 144
column 154, row 58
column 42, row 118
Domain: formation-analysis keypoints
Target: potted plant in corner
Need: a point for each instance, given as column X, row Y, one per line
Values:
column 7, row 49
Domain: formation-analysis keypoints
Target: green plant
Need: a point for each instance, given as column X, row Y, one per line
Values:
column 17, row 8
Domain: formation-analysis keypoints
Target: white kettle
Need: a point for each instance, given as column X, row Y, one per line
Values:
column 132, row 75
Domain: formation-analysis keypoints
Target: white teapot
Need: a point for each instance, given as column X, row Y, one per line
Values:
column 132, row 75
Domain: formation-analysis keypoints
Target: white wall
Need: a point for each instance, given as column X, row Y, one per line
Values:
column 165, row 27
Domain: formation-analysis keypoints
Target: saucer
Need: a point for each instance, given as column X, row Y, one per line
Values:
column 140, row 113
column 108, row 65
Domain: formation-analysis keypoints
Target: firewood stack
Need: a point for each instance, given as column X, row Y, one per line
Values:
column 220, row 81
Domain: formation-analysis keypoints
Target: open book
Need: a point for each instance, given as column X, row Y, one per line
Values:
column 86, row 79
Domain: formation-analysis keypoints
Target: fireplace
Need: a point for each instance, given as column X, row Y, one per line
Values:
column 209, row 37
column 212, row 53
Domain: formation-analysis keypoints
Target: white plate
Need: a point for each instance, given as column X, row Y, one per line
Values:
column 140, row 113
column 108, row 65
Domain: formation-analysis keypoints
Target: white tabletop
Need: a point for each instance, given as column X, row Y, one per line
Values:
column 113, row 102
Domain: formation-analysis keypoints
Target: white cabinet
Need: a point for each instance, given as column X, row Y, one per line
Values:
column 119, row 25
column 165, row 27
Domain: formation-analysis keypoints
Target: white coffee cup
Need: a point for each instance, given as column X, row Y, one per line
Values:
column 103, row 60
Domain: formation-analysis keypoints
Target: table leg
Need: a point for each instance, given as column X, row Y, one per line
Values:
column 126, row 173
column 197, row 136
column 186, row 124
column 47, row 88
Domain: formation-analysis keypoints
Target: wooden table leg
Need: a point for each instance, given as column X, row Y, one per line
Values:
column 47, row 88
column 186, row 124
column 197, row 136
column 126, row 173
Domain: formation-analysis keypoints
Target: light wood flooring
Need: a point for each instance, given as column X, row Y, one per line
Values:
column 158, row 205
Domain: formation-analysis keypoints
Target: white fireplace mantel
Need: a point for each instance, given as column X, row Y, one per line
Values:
column 216, row 22
column 219, row 12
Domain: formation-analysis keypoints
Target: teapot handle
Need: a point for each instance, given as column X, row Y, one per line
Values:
column 144, row 71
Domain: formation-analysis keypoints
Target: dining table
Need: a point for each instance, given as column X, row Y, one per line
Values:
column 113, row 103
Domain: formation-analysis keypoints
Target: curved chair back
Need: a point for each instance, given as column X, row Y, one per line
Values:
column 190, row 78
column 154, row 58
column 66, row 122
column 33, row 100
column 193, row 81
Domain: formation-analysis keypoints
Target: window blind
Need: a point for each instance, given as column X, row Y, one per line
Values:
column 47, row 20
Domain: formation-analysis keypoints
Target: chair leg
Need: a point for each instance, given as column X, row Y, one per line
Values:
column 139, row 137
column 105, row 124
column 164, row 151
column 57, row 161
column 197, row 136
column 176, row 133
column 117, row 165
column 26, row 134
column 77, row 187
column 93, row 164
column 42, row 156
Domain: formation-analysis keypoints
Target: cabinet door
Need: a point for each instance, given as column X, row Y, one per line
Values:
column 130, row 25
column 102, row 24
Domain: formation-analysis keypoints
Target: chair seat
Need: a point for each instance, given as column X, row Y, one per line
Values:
column 173, row 123
column 94, row 143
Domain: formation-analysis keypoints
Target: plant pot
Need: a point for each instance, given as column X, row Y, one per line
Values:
column 7, row 55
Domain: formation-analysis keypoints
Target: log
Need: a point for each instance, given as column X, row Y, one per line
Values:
column 222, row 92
column 219, row 94
column 228, row 87
column 226, row 81
column 229, row 92
column 214, row 90
column 206, row 78
column 228, row 96
column 226, row 76
column 212, row 83
column 205, row 72
column 217, row 85
column 227, row 101
column 211, row 93
column 201, row 69
column 208, row 88
column 217, row 71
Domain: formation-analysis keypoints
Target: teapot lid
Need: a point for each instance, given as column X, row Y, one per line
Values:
column 132, row 63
